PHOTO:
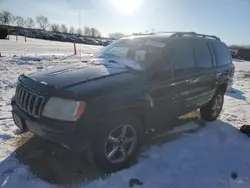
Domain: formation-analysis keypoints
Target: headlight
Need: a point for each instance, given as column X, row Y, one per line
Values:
column 63, row 109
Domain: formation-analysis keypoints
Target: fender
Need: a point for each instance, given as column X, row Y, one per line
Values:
column 123, row 100
column 133, row 101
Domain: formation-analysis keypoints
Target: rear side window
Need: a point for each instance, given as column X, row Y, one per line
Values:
column 203, row 57
column 221, row 53
column 183, row 59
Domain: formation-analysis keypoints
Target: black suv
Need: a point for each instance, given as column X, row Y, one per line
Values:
column 105, row 105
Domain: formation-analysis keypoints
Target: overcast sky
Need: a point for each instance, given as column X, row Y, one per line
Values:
column 228, row 19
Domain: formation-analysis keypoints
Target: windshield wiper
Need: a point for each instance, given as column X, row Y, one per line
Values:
column 107, row 55
column 125, row 66
column 113, row 61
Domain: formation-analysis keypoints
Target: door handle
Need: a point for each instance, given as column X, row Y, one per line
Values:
column 218, row 74
column 194, row 81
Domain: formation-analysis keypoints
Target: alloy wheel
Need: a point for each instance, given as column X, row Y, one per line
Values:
column 217, row 105
column 120, row 143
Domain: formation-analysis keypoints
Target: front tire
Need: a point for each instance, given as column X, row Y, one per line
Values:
column 117, row 144
column 212, row 110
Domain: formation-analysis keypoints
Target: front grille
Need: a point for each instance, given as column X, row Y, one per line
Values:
column 29, row 101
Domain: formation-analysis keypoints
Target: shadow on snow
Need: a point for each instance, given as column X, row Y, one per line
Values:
column 237, row 94
column 59, row 166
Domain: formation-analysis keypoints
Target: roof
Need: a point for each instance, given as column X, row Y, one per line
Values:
column 163, row 36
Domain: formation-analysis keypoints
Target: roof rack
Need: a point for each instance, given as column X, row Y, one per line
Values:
column 181, row 34
column 140, row 34
column 191, row 33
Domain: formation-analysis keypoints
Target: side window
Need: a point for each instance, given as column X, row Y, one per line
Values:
column 163, row 67
column 203, row 57
column 212, row 54
column 221, row 53
column 183, row 59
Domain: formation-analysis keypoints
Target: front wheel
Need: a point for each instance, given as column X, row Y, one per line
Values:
column 117, row 144
column 212, row 110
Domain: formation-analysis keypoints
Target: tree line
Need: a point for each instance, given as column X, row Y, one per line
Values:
column 42, row 22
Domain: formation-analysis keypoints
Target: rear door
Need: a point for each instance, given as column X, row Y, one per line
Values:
column 184, row 75
column 204, row 72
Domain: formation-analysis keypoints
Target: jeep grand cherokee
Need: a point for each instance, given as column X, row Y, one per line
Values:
column 135, row 84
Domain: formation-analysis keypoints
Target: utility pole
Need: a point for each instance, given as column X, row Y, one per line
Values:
column 80, row 27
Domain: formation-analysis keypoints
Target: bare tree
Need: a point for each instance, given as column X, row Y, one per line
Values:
column 86, row 31
column 1, row 18
column 63, row 28
column 71, row 30
column 94, row 32
column 43, row 22
column 6, row 18
column 79, row 31
column 116, row 35
column 30, row 23
column 98, row 34
column 19, row 21
column 55, row 27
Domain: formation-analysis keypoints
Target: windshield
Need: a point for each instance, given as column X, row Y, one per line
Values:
column 140, row 52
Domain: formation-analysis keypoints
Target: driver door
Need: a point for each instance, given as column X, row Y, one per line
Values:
column 162, row 92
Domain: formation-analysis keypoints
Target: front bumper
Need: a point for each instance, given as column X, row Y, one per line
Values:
column 72, row 135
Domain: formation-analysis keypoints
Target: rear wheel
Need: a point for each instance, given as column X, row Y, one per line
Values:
column 118, row 144
column 212, row 110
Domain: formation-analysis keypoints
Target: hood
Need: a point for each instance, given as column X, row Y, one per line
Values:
column 70, row 75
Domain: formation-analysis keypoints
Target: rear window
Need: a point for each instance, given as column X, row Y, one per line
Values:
column 221, row 53
column 203, row 58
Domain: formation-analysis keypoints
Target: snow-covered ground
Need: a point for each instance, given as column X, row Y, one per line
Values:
column 211, row 155
column 42, row 47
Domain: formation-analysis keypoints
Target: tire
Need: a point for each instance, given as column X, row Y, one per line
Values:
column 209, row 112
column 113, row 128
